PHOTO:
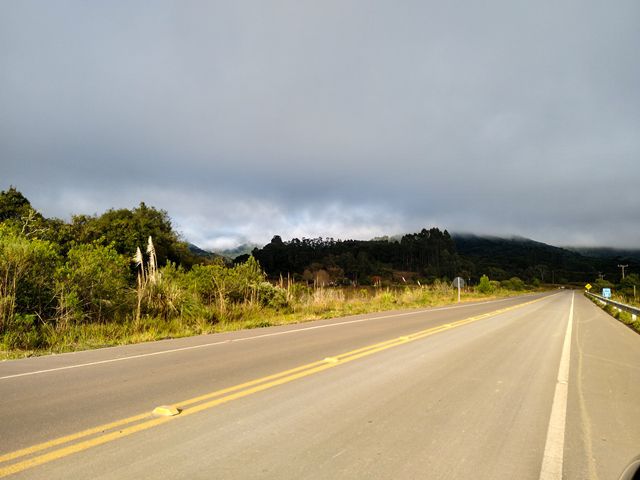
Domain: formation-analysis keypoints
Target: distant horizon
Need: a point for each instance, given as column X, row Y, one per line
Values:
column 232, row 240
column 452, row 233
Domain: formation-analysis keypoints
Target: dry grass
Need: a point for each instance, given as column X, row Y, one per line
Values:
column 312, row 305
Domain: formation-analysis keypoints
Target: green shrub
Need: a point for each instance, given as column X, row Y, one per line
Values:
column 24, row 334
column 220, row 285
column 506, row 284
column 271, row 296
column 93, row 283
column 298, row 291
column 27, row 268
column 386, row 298
column 485, row 286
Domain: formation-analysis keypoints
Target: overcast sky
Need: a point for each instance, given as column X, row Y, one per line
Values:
column 329, row 118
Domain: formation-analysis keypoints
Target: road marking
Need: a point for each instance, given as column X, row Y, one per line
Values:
column 165, row 411
column 244, row 339
column 138, row 423
column 554, row 446
column 126, row 421
column 584, row 412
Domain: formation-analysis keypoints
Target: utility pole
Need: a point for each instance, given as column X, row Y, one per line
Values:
column 601, row 275
column 622, row 267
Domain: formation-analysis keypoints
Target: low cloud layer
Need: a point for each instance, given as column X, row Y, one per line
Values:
column 345, row 119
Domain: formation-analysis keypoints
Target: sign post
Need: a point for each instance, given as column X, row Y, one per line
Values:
column 458, row 282
column 588, row 286
column 606, row 292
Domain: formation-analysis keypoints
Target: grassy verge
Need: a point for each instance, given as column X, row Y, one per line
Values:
column 319, row 304
column 624, row 317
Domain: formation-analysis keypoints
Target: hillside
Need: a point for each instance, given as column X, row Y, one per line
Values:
column 432, row 253
column 204, row 255
column 621, row 255
column 499, row 257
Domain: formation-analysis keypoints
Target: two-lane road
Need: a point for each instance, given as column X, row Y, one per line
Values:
column 467, row 391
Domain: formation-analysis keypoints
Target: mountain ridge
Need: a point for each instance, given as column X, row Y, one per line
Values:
column 499, row 257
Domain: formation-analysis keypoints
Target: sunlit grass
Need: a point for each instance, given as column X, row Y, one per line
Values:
column 316, row 304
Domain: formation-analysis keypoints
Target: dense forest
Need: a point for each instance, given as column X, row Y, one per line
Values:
column 430, row 254
column 426, row 256
column 501, row 258
column 130, row 266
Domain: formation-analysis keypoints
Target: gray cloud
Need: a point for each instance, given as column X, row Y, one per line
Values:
column 344, row 119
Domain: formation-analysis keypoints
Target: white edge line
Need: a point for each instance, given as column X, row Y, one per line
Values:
column 552, row 459
column 286, row 332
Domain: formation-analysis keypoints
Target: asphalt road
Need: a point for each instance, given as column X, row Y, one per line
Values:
column 471, row 391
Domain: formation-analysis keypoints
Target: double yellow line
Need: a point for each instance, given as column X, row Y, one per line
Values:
column 45, row 452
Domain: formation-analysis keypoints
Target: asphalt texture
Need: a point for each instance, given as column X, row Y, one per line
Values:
column 468, row 400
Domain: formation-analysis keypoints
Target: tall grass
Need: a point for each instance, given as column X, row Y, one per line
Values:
column 169, row 302
column 181, row 315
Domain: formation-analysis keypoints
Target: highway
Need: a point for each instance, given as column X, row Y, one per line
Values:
column 537, row 386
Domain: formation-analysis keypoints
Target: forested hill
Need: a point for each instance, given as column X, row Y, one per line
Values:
column 504, row 257
column 620, row 255
column 432, row 254
column 428, row 254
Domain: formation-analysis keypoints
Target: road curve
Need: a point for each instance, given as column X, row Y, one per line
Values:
column 458, row 392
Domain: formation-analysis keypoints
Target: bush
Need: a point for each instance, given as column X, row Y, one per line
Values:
column 219, row 285
column 516, row 283
column 297, row 291
column 27, row 268
column 485, row 286
column 95, row 279
column 24, row 334
column 627, row 284
column 506, row 284
column 271, row 296
column 386, row 298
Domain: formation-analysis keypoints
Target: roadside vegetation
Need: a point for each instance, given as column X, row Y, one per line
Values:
column 624, row 292
column 624, row 317
column 86, row 300
column 126, row 277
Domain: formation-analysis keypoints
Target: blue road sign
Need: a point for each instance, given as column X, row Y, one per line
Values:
column 606, row 292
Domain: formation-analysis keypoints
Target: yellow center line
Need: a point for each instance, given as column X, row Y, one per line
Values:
column 125, row 421
column 216, row 398
column 69, row 438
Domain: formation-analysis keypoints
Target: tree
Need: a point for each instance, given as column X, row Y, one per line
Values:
column 628, row 283
column 16, row 210
column 27, row 269
column 96, row 277
column 127, row 229
column 484, row 286
column 13, row 205
column 601, row 283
